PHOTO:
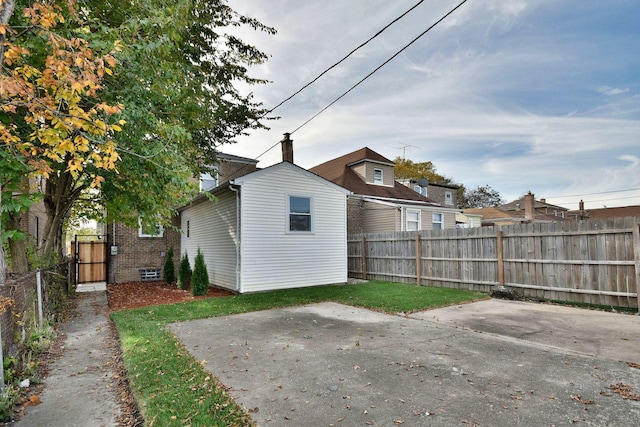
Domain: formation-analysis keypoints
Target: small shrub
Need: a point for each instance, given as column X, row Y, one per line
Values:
column 200, row 278
column 169, row 269
column 184, row 273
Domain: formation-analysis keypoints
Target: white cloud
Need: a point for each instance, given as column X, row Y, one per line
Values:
column 611, row 91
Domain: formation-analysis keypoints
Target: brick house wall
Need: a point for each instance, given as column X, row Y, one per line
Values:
column 437, row 193
column 354, row 215
column 137, row 255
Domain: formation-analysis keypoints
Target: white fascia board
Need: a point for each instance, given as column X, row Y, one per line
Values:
column 287, row 165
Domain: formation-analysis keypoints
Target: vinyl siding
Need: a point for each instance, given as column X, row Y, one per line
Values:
column 378, row 218
column 387, row 173
column 272, row 257
column 212, row 228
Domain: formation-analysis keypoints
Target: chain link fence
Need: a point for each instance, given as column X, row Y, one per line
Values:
column 28, row 301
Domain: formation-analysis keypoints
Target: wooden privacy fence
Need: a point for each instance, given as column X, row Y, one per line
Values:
column 595, row 262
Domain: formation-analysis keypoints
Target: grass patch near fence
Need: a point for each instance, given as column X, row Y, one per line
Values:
column 173, row 389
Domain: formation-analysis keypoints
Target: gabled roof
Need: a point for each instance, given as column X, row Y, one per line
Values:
column 236, row 159
column 538, row 204
column 617, row 212
column 339, row 171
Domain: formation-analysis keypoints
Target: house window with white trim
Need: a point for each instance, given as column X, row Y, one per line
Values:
column 300, row 214
column 448, row 198
column 378, row 176
column 413, row 220
column 149, row 230
column 437, row 219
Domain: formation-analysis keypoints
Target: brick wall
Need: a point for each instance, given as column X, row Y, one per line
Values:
column 354, row 215
column 135, row 253
column 437, row 194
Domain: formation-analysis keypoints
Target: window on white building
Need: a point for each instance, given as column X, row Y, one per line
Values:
column 413, row 220
column 378, row 176
column 437, row 219
column 299, row 213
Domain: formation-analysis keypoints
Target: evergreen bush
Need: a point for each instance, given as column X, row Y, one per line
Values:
column 169, row 269
column 184, row 273
column 200, row 278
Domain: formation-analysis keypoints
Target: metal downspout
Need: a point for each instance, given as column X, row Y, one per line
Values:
column 238, row 264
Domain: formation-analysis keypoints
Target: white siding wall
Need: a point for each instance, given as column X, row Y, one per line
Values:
column 212, row 228
column 273, row 258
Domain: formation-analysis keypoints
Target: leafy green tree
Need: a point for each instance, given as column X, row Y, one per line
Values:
column 200, row 278
column 158, row 94
column 482, row 196
column 169, row 270
column 184, row 272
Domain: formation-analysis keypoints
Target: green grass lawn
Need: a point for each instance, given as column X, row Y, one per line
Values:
column 174, row 389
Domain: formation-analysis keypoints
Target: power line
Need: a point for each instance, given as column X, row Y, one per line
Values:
column 593, row 194
column 380, row 66
column 329, row 69
column 346, row 56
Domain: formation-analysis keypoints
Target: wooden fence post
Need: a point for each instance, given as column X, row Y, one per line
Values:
column 636, row 258
column 500, row 253
column 363, row 257
column 418, row 260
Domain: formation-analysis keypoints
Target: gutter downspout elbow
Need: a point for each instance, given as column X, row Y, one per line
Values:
column 236, row 189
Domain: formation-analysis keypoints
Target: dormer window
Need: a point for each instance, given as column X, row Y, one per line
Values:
column 378, row 177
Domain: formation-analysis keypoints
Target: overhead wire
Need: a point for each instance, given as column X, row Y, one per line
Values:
column 346, row 56
column 379, row 32
column 379, row 67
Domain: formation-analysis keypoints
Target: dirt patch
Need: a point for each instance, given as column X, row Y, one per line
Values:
column 142, row 294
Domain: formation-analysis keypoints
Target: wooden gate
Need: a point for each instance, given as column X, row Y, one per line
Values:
column 90, row 260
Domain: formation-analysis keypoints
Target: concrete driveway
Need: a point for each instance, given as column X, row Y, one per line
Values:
column 330, row 364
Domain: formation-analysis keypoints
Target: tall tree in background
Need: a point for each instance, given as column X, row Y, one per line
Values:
column 408, row 169
column 482, row 196
column 174, row 88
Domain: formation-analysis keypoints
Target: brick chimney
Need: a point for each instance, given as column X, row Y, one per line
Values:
column 581, row 206
column 287, row 148
column 529, row 206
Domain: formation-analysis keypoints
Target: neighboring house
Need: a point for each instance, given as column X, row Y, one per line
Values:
column 443, row 194
column 537, row 210
column 468, row 220
column 523, row 210
column 275, row 228
column 602, row 213
column 379, row 202
column 140, row 253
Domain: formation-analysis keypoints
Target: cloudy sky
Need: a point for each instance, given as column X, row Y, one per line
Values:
column 523, row 95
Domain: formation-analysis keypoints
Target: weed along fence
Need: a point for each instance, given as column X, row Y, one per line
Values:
column 594, row 262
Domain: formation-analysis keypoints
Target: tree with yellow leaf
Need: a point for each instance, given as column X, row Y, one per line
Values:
column 51, row 116
column 135, row 100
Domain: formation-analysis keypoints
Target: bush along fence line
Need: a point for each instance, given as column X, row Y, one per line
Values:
column 29, row 305
column 592, row 262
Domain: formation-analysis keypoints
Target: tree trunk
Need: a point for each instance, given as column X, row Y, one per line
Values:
column 60, row 195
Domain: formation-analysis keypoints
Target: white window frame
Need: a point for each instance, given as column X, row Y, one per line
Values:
column 209, row 177
column 378, row 181
column 310, row 214
column 434, row 221
column 418, row 221
column 448, row 197
column 141, row 232
column 417, row 189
